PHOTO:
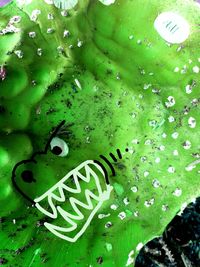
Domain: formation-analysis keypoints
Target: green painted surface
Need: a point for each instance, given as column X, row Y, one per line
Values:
column 111, row 110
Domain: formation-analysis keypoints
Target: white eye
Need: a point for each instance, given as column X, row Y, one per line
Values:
column 59, row 147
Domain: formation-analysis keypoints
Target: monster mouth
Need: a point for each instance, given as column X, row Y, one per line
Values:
column 62, row 187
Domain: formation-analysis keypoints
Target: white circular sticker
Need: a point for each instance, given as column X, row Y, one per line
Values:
column 172, row 27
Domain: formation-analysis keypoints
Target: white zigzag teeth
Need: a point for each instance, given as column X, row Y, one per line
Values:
column 52, row 215
column 72, row 190
column 60, row 198
column 61, row 192
column 53, row 227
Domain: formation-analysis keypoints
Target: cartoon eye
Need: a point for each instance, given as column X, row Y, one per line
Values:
column 59, row 147
column 27, row 176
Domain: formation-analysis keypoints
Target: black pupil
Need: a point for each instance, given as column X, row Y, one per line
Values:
column 27, row 176
column 56, row 150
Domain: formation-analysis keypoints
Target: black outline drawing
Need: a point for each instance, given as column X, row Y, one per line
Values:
column 44, row 152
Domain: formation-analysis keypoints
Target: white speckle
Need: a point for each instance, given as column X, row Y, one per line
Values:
column 171, row 169
column 66, row 33
column 34, row 15
column 139, row 42
column 143, row 159
column 139, row 246
column 60, row 49
column 165, row 207
column 108, row 225
column 190, row 61
column 130, row 258
column 126, row 201
column 184, row 69
column 23, row 2
column 107, row 2
column 14, row 221
column 175, row 135
column 156, row 183
column 118, row 77
column 19, row 53
column 149, row 203
column 188, row 89
column 15, row 19
column 134, row 189
column 162, row 148
column 78, row 84
column 130, row 150
column 114, row 207
column 179, row 49
column 122, row 215
column 152, row 123
column 195, row 69
column 136, row 213
column 151, row 73
column 79, row 43
column 146, row 173
column 49, row 2
column 164, row 135
column 192, row 122
column 148, row 142
column 171, row 119
column 135, row 141
column 175, row 152
column 187, row 145
column 50, row 30
column 157, row 160
column 101, row 216
column 39, row 52
column 32, row 34
column 177, row 192
column 171, row 102
column 176, row 69
column 142, row 72
column 147, row 86
column 190, row 167
column 131, row 37
column 50, row 16
column 64, row 13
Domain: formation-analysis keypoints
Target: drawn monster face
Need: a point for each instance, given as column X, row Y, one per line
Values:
column 89, row 180
column 125, row 78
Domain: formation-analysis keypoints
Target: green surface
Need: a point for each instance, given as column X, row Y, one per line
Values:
column 111, row 110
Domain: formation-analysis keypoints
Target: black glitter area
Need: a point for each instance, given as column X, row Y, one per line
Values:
column 3, row 261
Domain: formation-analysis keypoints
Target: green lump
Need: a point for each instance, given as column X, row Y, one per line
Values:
column 107, row 72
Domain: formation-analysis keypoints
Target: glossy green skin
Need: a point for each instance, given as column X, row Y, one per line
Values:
column 116, row 111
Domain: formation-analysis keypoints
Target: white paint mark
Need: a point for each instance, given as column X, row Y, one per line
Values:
column 172, row 27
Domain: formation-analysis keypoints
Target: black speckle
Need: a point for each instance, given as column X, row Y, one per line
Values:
column 2, row 109
column 100, row 260
column 3, row 261
column 68, row 103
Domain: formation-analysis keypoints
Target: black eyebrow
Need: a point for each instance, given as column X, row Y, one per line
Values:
column 49, row 141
